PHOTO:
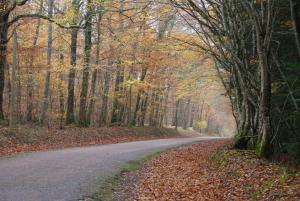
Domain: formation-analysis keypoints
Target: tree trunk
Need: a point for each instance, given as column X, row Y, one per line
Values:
column 187, row 114
column 144, row 105
column 104, row 105
column 71, row 78
column 61, row 92
column 295, row 5
column 85, row 75
column 164, row 108
column 30, row 82
column 12, row 109
column 95, row 72
column 176, row 114
column 3, row 53
column 72, row 73
column 191, row 123
column 153, row 107
column 138, row 100
column 118, row 107
column 265, row 100
column 48, row 73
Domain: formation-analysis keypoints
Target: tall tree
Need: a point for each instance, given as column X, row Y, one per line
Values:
column 86, row 66
column 95, row 71
column 7, row 6
column 118, row 107
column 45, row 102
column 106, row 79
column 30, row 82
column 73, row 54
column 12, row 109
column 295, row 9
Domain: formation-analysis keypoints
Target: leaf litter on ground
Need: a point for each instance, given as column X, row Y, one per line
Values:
column 210, row 171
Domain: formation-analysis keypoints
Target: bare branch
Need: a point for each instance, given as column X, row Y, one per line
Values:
column 37, row 15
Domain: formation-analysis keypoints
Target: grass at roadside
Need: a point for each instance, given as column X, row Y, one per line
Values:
column 112, row 183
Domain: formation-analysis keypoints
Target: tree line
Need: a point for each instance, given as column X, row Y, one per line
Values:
column 102, row 63
column 255, row 47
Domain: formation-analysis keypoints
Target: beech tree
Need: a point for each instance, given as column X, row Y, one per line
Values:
column 243, row 39
column 110, row 63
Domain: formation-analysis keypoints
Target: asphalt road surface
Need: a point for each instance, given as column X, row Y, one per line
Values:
column 70, row 174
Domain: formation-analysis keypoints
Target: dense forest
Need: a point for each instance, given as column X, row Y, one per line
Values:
column 192, row 63
column 256, row 50
column 106, row 63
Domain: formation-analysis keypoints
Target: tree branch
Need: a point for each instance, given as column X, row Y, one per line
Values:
column 37, row 15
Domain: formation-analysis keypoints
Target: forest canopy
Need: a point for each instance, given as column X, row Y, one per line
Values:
column 107, row 63
column 212, row 65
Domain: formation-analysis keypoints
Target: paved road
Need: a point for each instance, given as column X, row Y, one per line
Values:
column 69, row 174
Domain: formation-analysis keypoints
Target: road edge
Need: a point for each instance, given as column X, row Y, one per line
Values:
column 114, row 182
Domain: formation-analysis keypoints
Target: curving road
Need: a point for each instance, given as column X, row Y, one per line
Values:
column 70, row 174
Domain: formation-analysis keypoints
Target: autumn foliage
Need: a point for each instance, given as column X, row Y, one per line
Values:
column 199, row 173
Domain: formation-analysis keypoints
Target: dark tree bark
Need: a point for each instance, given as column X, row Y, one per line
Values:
column 138, row 100
column 95, row 71
column 176, row 114
column 30, row 84
column 295, row 7
column 86, row 68
column 7, row 6
column 72, row 73
column 13, row 91
column 118, row 107
column 265, row 104
column 187, row 114
column 71, row 78
column 143, row 110
column 45, row 102
column 61, row 92
column 104, row 105
column 3, row 52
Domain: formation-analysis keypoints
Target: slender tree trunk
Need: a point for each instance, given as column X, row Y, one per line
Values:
column 158, row 109
column 95, row 72
column 138, row 100
column 86, row 67
column 3, row 52
column 72, row 73
column 61, row 92
column 164, row 107
column 295, row 7
column 187, row 114
column 144, row 105
column 30, row 84
column 12, row 105
column 71, row 78
column 118, row 107
column 129, row 115
column 152, row 107
column 104, row 105
column 176, row 114
column 265, row 100
column 48, row 73
column 192, row 116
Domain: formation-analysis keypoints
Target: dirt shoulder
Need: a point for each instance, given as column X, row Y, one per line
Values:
column 208, row 171
column 30, row 138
